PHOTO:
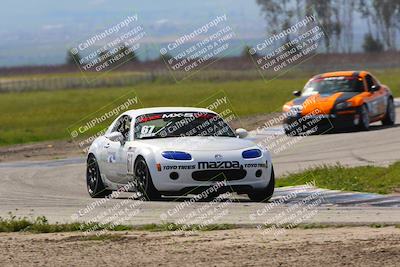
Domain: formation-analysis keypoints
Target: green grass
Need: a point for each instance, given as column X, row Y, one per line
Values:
column 41, row 225
column 75, row 74
column 45, row 115
column 382, row 180
column 38, row 116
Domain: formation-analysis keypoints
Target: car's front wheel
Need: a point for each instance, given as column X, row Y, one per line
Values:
column 287, row 130
column 390, row 116
column 363, row 123
column 143, row 181
column 265, row 194
column 95, row 186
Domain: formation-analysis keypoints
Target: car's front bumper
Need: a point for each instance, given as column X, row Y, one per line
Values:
column 192, row 176
column 321, row 123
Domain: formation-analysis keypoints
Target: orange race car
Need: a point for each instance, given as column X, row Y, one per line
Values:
column 337, row 100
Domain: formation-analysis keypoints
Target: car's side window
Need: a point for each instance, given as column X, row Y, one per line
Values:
column 123, row 126
column 127, row 128
column 117, row 125
column 370, row 81
column 375, row 81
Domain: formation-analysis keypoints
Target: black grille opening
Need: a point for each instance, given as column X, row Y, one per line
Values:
column 174, row 175
column 219, row 175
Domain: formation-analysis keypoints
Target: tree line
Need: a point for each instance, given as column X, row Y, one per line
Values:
column 130, row 55
column 380, row 21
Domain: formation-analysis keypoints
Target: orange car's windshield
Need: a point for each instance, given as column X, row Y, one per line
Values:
column 331, row 85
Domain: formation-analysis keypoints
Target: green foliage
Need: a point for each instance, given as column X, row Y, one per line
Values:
column 130, row 54
column 41, row 225
column 371, row 44
column 246, row 52
column 382, row 180
column 72, row 59
column 337, row 20
column 165, row 57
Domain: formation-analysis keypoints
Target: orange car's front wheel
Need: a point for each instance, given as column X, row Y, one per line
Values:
column 363, row 123
column 390, row 116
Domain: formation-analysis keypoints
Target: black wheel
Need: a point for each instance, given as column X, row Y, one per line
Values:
column 95, row 186
column 363, row 123
column 143, row 181
column 289, row 131
column 265, row 194
column 390, row 116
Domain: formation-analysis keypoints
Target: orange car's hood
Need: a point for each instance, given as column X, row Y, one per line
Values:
column 321, row 104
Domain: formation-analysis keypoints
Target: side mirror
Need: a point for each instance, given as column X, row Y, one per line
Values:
column 375, row 88
column 297, row 93
column 115, row 137
column 241, row 133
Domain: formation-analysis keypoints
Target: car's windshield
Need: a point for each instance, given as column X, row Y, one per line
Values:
column 331, row 85
column 180, row 124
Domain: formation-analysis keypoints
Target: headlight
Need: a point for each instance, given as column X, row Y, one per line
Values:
column 251, row 154
column 296, row 108
column 343, row 105
column 286, row 108
column 176, row 155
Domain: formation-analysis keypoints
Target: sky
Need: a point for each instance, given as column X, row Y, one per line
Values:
column 39, row 32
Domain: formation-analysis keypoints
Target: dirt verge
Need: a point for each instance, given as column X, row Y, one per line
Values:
column 40, row 151
column 355, row 246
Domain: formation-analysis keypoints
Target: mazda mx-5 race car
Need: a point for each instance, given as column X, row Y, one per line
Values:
column 177, row 151
column 339, row 100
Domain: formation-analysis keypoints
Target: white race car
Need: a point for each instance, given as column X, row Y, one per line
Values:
column 177, row 151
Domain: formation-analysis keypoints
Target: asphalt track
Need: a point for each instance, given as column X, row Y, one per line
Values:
column 57, row 190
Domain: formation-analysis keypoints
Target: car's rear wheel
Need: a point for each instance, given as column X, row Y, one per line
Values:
column 143, row 181
column 390, row 116
column 95, row 186
column 363, row 123
column 265, row 194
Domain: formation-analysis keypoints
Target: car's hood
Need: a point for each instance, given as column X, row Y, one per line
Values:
column 324, row 103
column 198, row 143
